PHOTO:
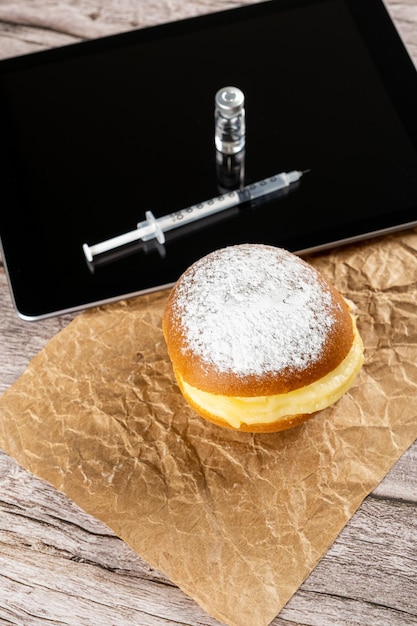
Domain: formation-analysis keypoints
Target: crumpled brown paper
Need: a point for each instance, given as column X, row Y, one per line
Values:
column 236, row 520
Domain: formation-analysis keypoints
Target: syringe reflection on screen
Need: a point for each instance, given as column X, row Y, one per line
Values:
column 155, row 228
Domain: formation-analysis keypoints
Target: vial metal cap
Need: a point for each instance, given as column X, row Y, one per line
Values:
column 229, row 101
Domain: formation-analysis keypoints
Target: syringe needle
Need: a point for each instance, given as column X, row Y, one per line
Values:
column 154, row 228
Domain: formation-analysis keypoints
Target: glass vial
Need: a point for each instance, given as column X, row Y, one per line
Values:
column 229, row 120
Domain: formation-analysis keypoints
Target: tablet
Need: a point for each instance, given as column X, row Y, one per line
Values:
column 99, row 136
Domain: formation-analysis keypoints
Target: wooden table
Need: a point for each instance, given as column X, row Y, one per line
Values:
column 60, row 566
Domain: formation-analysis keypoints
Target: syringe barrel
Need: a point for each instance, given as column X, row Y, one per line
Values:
column 198, row 211
column 269, row 185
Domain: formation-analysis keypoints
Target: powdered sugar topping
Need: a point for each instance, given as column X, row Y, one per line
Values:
column 254, row 309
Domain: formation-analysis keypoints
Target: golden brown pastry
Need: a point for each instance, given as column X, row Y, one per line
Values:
column 258, row 339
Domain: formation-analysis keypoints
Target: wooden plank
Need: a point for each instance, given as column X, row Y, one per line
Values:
column 60, row 566
column 31, row 25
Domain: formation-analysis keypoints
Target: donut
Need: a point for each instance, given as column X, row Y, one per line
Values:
column 258, row 339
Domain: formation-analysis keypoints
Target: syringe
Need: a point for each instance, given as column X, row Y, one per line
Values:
column 152, row 227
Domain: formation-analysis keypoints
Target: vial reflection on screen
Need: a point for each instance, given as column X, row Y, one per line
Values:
column 230, row 171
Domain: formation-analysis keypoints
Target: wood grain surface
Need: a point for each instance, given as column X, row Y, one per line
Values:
column 60, row 566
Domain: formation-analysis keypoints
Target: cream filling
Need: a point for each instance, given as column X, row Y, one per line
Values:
column 237, row 410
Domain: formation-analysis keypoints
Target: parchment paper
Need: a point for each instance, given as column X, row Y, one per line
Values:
column 237, row 520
